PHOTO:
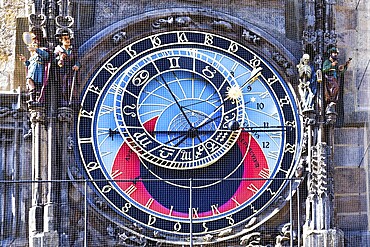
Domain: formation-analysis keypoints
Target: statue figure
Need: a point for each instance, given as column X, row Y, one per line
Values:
column 332, row 72
column 37, row 66
column 66, row 67
column 307, row 83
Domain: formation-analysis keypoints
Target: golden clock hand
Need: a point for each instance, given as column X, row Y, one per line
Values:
column 236, row 91
column 256, row 72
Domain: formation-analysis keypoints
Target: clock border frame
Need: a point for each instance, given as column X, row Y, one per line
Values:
column 100, row 47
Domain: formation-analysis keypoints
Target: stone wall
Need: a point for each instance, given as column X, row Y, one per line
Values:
column 353, row 30
column 9, row 12
column 351, row 154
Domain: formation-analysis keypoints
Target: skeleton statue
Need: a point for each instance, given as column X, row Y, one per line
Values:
column 307, row 83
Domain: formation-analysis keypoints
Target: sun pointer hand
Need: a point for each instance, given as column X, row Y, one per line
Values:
column 235, row 91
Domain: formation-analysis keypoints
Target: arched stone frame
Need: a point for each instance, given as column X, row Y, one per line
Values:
column 101, row 46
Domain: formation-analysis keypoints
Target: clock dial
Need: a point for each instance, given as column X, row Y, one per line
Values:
column 188, row 132
column 181, row 97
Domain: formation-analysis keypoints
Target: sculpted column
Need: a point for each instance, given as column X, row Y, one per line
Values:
column 65, row 117
column 319, row 37
column 39, row 160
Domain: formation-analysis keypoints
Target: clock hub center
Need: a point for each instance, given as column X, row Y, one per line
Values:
column 193, row 132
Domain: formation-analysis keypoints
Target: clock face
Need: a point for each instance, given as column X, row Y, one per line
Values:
column 188, row 132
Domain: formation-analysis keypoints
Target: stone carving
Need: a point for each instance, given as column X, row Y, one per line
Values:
column 37, row 115
column 64, row 20
column 300, row 171
column 251, row 239
column 225, row 232
column 132, row 240
column 283, row 239
column 158, row 234
column 122, row 237
column 319, row 207
column 251, row 222
column 70, row 142
column 250, row 37
column 5, row 111
column 160, row 23
column 310, row 37
column 101, row 204
column 37, row 20
column 313, row 183
column 330, row 38
column 183, row 21
column 222, row 25
column 64, row 23
column 207, row 237
column 281, row 60
column 321, row 171
column 65, row 114
column 119, row 37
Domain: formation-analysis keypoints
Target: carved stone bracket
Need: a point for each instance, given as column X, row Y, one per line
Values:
column 5, row 112
column 330, row 38
column 37, row 20
column 65, row 114
column 37, row 115
column 64, row 23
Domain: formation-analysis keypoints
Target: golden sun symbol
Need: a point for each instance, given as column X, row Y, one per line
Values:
column 234, row 93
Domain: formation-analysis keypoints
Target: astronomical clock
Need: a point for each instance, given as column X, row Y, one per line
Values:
column 188, row 130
